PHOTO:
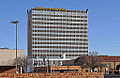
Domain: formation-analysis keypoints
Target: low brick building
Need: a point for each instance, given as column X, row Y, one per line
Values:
column 112, row 64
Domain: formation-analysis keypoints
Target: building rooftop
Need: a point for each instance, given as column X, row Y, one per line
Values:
column 105, row 58
column 4, row 48
column 111, row 58
column 58, row 9
column 9, row 49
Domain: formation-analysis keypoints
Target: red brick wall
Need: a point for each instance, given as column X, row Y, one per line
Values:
column 54, row 75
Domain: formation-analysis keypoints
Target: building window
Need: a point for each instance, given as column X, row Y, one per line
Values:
column 108, row 65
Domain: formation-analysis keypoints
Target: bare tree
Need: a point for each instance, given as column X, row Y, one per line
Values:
column 19, row 61
column 22, row 62
column 92, row 61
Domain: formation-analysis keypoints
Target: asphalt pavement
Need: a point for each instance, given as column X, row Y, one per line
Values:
column 112, row 76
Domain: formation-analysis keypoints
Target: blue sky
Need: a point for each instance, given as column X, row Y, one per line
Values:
column 103, row 17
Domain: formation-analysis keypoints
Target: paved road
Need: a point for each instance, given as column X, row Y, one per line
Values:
column 112, row 76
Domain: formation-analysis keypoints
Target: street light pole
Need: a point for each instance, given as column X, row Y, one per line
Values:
column 16, row 22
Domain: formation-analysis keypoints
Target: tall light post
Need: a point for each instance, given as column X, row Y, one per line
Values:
column 16, row 22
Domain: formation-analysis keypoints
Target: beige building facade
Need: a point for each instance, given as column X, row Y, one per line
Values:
column 8, row 55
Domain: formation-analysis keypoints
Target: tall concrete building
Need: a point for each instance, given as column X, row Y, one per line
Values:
column 56, row 34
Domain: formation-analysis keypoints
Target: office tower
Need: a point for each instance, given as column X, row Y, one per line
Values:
column 56, row 34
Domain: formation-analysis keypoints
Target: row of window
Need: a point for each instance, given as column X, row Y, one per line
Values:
column 60, row 39
column 70, row 43
column 43, row 55
column 58, row 51
column 58, row 31
column 45, row 63
column 59, row 23
column 59, row 27
column 59, row 19
column 53, row 35
column 67, row 47
column 59, row 16
column 46, row 55
column 44, row 10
